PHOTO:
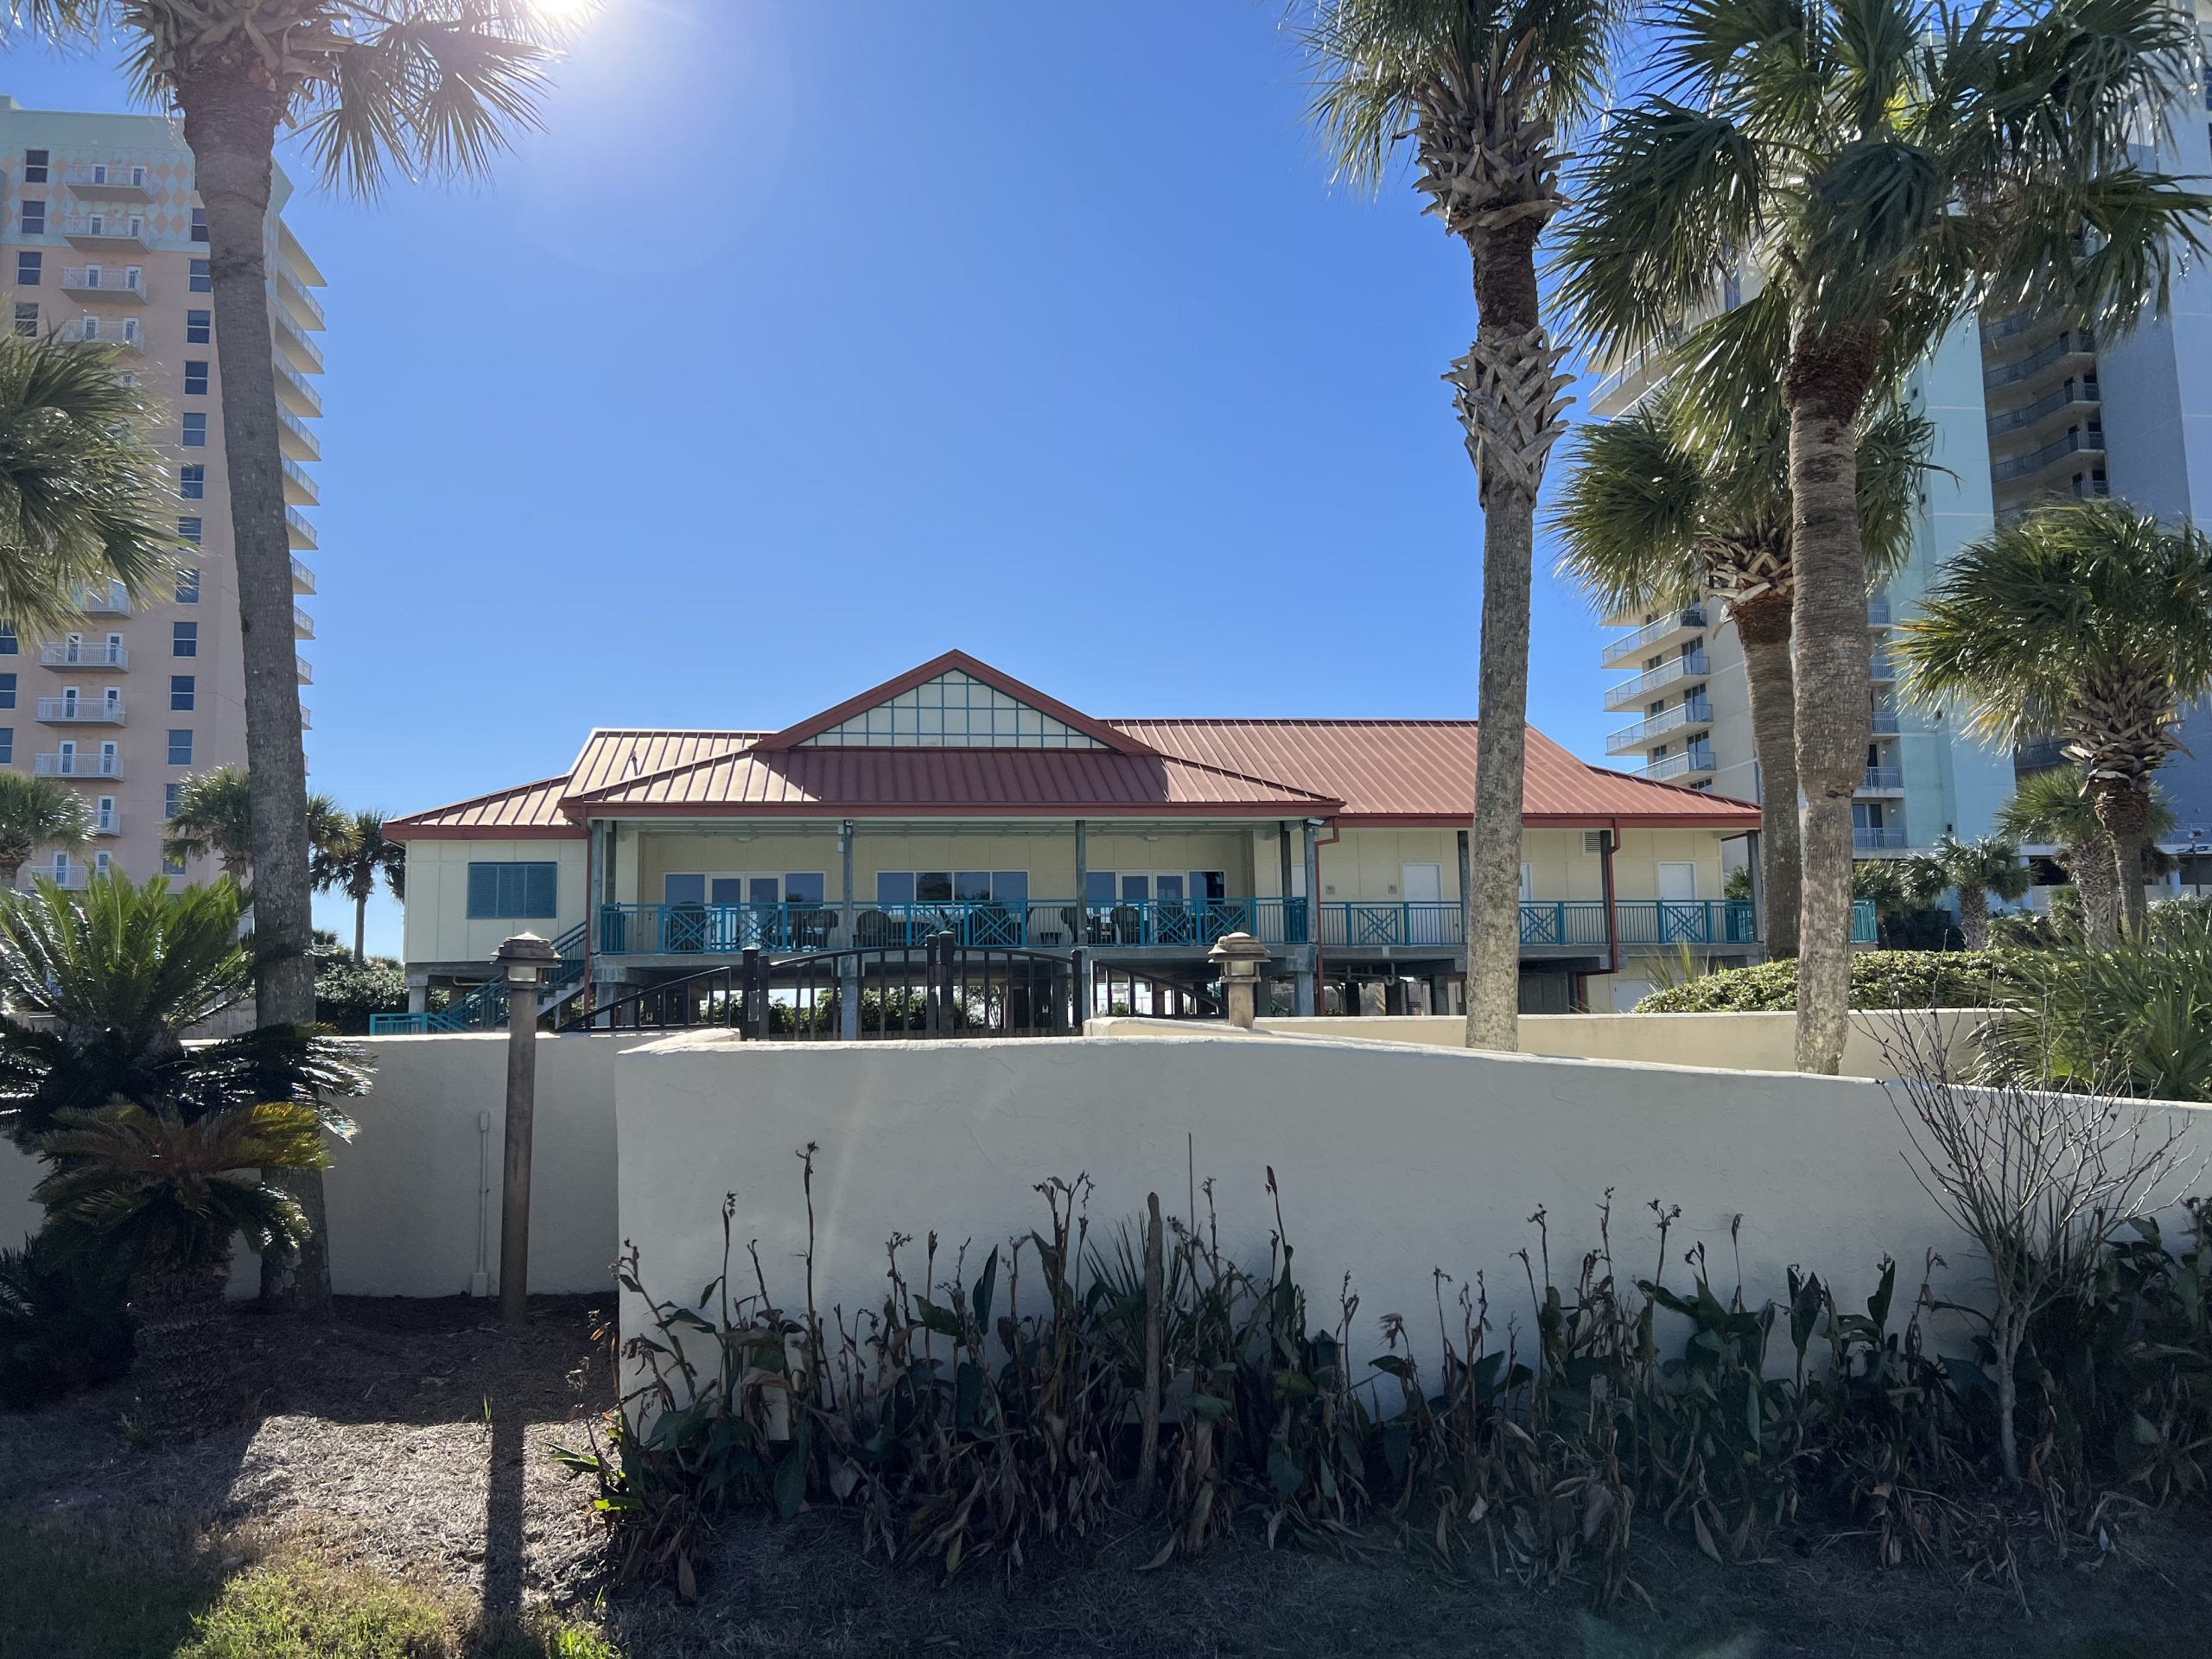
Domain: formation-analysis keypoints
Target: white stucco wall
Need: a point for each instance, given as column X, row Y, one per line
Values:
column 1393, row 1161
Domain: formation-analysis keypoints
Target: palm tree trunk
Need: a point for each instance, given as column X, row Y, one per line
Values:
column 2124, row 811
column 1763, row 630
column 360, row 927
column 185, row 1366
column 2096, row 879
column 1826, row 383
column 1973, row 915
column 231, row 123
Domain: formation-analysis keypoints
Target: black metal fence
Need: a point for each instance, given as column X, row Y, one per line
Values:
column 938, row 987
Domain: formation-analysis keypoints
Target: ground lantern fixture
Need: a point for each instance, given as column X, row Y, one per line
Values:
column 1239, row 957
column 527, row 961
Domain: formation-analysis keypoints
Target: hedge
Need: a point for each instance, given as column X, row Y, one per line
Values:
column 1879, row 979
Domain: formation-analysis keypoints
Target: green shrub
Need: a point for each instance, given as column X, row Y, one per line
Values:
column 2134, row 1019
column 63, row 1322
column 346, row 992
column 1879, row 979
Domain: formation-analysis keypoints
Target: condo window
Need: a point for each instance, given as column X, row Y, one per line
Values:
column 171, row 865
column 27, row 316
column 31, row 268
column 199, row 328
column 7, row 646
column 952, row 887
column 188, row 586
column 192, row 481
column 7, row 745
column 34, row 162
column 512, row 891
column 190, row 528
column 199, row 224
column 693, row 887
column 195, row 430
column 183, row 689
column 184, row 639
column 34, row 217
column 7, row 691
column 203, row 277
column 172, row 798
column 195, row 377
column 180, row 748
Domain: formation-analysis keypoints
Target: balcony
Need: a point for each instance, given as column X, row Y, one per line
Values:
column 1877, row 611
column 303, row 624
column 2026, row 468
column 302, row 578
column 107, row 233
column 1885, row 722
column 106, row 821
column 80, row 711
column 299, row 351
column 1879, row 669
column 299, row 485
column 123, row 331
column 1653, row 636
column 299, row 532
column 1880, row 838
column 1644, row 368
column 305, row 310
column 2076, row 349
column 111, row 182
column 72, row 764
column 298, row 394
column 1571, row 925
column 71, row 878
column 1693, row 711
column 116, row 285
column 306, row 669
column 115, row 601
column 2074, row 394
column 2014, row 324
column 1883, row 780
column 2041, row 755
column 1690, row 763
column 293, row 438
column 1629, row 693
column 727, row 929
column 112, row 657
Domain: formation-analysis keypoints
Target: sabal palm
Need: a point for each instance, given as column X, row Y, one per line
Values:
column 1976, row 869
column 2052, row 808
column 1662, row 510
column 353, row 859
column 214, row 818
column 2093, row 621
column 1881, row 169
column 1485, row 93
column 37, row 812
column 164, row 1194
column 376, row 87
column 84, row 494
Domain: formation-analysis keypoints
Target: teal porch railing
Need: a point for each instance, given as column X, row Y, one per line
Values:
column 1546, row 923
column 484, row 1008
column 727, row 929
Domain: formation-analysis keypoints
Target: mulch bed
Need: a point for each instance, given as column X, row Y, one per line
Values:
column 410, row 1438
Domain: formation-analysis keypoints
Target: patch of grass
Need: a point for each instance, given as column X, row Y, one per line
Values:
column 81, row 1593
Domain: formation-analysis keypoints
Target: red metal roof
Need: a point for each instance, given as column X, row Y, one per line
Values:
column 527, row 810
column 614, row 755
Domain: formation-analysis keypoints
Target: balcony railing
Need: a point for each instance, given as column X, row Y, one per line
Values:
column 126, row 331
column 1884, row 778
column 2073, row 392
column 1691, row 666
column 298, row 392
column 107, row 821
column 305, row 354
column 80, row 711
column 298, row 443
column 303, row 624
column 299, row 531
column 2072, row 343
column 1689, row 762
column 101, row 230
column 1884, row 838
column 2074, row 443
column 80, row 765
column 304, row 305
column 85, row 653
column 305, row 668
column 1689, row 619
column 123, row 181
column 1877, row 611
column 1880, row 668
column 108, row 282
column 113, row 600
column 302, row 578
column 1885, row 723
column 1692, row 711
column 71, row 878
column 299, row 484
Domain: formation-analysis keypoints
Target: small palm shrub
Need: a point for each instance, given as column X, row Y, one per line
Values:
column 63, row 1322
column 1879, row 979
column 2135, row 1018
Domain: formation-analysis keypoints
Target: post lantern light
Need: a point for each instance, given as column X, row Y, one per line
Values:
column 527, row 962
column 1239, row 957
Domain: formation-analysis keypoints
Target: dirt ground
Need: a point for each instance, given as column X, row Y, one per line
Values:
column 410, row 1438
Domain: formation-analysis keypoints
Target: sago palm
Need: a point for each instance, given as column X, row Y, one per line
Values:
column 169, row 1197
column 37, row 812
column 352, row 859
column 1661, row 510
column 2051, row 808
column 1880, row 170
column 1977, row 869
column 376, row 88
column 84, row 494
column 2093, row 621
column 1486, row 93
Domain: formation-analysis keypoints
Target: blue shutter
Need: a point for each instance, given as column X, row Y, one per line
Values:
column 484, row 889
column 540, row 883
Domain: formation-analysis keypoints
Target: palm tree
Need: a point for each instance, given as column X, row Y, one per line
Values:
column 1662, row 511
column 2052, row 808
column 37, row 812
column 1978, row 869
column 84, row 496
column 214, row 818
column 376, row 87
column 1880, row 170
column 2094, row 621
column 1485, row 90
column 1895, row 886
column 162, row 1192
column 353, row 859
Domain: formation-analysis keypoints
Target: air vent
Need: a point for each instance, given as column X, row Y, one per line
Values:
column 1593, row 843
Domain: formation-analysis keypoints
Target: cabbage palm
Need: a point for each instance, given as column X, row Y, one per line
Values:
column 84, row 496
column 37, row 812
column 376, row 87
column 352, row 859
column 1977, row 869
column 1880, row 170
column 1662, row 511
column 2052, row 808
column 214, row 819
column 166, row 1195
column 1486, row 93
column 2092, row 620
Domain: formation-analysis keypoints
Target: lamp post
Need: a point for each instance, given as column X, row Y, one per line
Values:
column 1239, row 957
column 526, row 960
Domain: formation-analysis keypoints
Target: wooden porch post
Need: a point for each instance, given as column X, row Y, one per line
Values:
column 849, row 971
column 1306, row 992
column 1082, row 883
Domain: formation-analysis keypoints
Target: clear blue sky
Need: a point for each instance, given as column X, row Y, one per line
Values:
column 807, row 341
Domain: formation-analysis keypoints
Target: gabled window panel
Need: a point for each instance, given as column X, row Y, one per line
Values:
column 954, row 711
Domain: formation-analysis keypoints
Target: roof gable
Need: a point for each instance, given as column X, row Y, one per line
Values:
column 953, row 701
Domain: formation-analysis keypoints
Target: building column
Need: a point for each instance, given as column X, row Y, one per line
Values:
column 1310, row 961
column 848, row 970
column 1081, row 885
column 418, row 992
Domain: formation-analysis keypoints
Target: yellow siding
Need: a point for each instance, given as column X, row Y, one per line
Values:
column 437, row 927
